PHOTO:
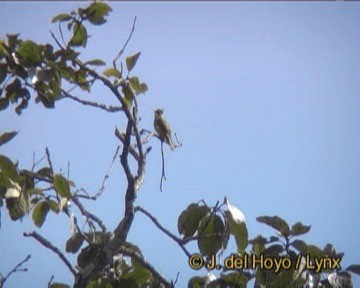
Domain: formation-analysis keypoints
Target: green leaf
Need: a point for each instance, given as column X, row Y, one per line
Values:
column 7, row 136
column 18, row 206
column 355, row 268
column 3, row 72
column 96, row 11
column 189, row 219
column 79, row 35
column 140, row 273
column 74, row 243
column 95, row 62
column 61, row 186
column 58, row 285
column 197, row 282
column 30, row 53
column 128, row 93
column 112, row 72
column 238, row 230
column 54, row 206
column 300, row 246
column 39, row 213
column 298, row 229
column 211, row 234
column 137, row 86
column 45, row 172
column 4, row 103
column 273, row 250
column 102, row 283
column 315, row 252
column 277, row 223
column 7, row 170
column 131, row 61
column 61, row 17
column 235, row 279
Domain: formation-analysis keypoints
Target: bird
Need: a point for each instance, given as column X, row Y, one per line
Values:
column 162, row 128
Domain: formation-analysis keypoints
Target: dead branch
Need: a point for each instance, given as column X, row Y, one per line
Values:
column 46, row 243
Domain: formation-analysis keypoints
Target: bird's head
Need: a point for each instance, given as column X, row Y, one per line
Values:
column 159, row 112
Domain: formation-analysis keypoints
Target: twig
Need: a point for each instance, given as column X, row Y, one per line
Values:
column 87, row 214
column 178, row 240
column 93, row 104
column 50, row 281
column 53, row 248
column 102, row 188
column 163, row 177
column 141, row 260
column 17, row 268
column 49, row 160
column 126, row 43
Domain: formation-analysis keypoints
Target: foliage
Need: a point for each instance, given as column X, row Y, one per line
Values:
column 105, row 258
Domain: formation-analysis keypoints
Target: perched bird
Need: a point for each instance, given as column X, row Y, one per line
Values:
column 162, row 128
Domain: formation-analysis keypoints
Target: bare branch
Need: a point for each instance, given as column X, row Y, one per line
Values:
column 87, row 214
column 101, row 106
column 102, row 188
column 46, row 243
column 126, row 43
column 141, row 260
column 49, row 160
column 178, row 240
column 16, row 269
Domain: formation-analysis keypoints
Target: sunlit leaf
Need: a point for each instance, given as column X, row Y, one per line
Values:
column 137, row 86
column 61, row 17
column 112, row 72
column 61, row 186
column 30, row 53
column 131, row 61
column 7, row 170
column 79, row 35
column 96, row 11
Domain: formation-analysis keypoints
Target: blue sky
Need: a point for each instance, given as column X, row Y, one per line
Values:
column 264, row 97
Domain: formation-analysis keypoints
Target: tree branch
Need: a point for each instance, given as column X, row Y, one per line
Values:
column 17, row 268
column 101, row 106
column 126, row 43
column 178, row 240
column 87, row 214
column 53, row 248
